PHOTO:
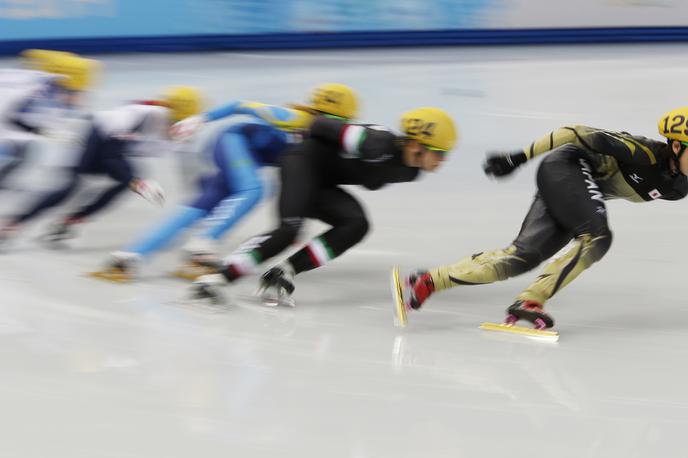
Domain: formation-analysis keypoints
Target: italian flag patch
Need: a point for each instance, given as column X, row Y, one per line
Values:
column 244, row 263
column 319, row 252
column 352, row 137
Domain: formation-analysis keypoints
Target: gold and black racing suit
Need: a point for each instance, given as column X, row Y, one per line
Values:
column 583, row 168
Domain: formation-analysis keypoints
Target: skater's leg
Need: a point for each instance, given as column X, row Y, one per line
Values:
column 214, row 189
column 349, row 224
column 123, row 263
column 101, row 156
column 229, row 194
column 574, row 200
column 300, row 183
column 107, row 159
column 86, row 164
column 166, row 231
column 242, row 181
column 49, row 200
column 539, row 238
column 100, row 202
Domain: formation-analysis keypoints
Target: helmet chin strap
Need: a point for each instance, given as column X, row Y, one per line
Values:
column 677, row 157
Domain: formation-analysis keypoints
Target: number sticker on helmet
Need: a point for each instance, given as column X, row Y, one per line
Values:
column 674, row 124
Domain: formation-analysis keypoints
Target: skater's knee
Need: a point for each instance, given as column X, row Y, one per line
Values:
column 290, row 227
column 358, row 227
column 596, row 244
column 602, row 241
column 527, row 259
column 522, row 259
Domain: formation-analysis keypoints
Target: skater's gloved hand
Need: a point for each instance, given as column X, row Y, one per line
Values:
column 186, row 127
column 149, row 190
column 502, row 164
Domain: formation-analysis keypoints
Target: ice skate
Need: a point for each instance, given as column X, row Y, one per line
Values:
column 207, row 288
column 417, row 287
column 420, row 286
column 201, row 258
column 400, row 306
column 277, row 286
column 58, row 233
column 529, row 311
column 121, row 269
column 196, row 265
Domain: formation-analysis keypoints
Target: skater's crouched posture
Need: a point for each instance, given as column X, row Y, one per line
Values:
column 335, row 153
column 584, row 167
column 232, row 187
column 39, row 104
column 113, row 136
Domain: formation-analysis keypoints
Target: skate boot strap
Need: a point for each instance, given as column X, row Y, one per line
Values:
column 530, row 311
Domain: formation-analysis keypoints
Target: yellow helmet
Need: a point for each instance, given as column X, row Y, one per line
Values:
column 78, row 71
column 37, row 58
column 335, row 99
column 184, row 101
column 431, row 126
column 674, row 124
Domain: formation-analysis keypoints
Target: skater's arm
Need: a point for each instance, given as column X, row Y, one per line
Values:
column 282, row 117
column 222, row 112
column 556, row 138
column 500, row 164
column 622, row 146
column 369, row 143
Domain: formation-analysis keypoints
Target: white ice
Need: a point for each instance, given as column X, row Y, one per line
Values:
column 91, row 369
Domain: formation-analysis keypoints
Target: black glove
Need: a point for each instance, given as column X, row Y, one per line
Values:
column 502, row 164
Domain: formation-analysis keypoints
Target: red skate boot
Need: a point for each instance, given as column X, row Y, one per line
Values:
column 420, row 286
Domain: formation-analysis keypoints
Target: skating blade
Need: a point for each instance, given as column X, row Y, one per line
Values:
column 115, row 277
column 543, row 335
column 400, row 319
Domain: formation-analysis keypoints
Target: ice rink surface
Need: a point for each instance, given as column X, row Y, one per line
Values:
column 92, row 369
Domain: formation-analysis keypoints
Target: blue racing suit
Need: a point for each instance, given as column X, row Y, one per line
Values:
column 235, row 188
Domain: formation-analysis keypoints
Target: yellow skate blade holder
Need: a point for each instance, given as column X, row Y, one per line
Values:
column 400, row 319
column 184, row 275
column 115, row 277
column 536, row 334
column 191, row 272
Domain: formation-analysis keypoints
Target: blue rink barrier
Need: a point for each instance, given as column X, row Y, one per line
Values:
column 314, row 40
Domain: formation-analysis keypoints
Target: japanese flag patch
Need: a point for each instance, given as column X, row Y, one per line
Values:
column 655, row 194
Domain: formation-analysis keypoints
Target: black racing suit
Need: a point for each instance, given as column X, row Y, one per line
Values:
column 335, row 153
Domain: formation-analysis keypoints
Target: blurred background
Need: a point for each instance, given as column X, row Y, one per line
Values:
column 96, row 369
column 177, row 25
